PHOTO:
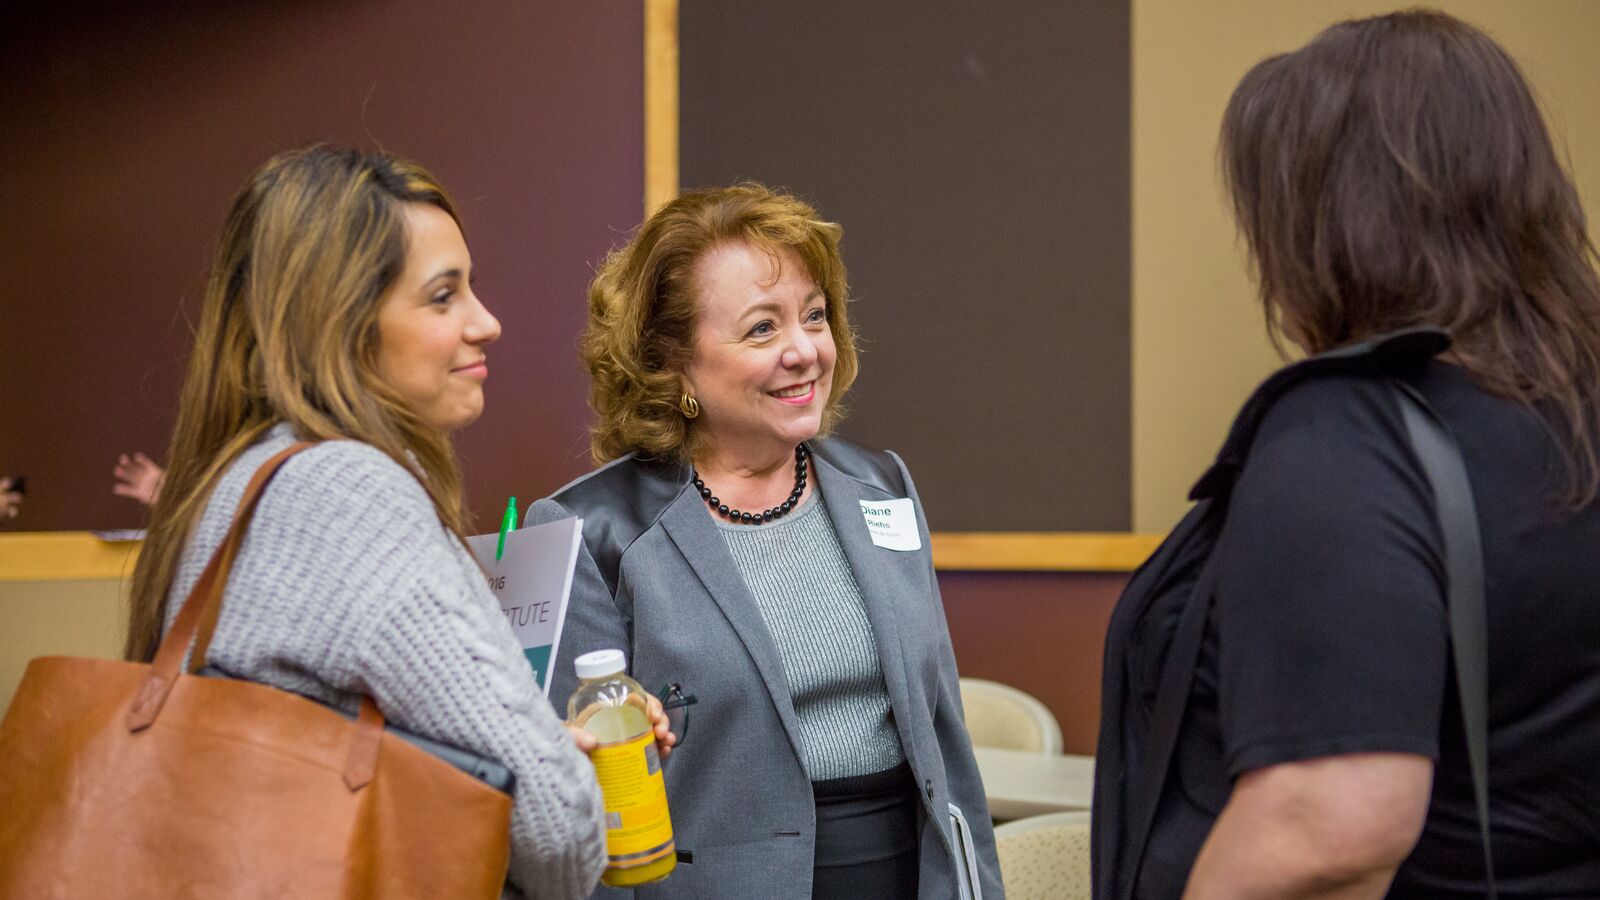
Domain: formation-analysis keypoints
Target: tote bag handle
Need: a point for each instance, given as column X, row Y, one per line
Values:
column 197, row 620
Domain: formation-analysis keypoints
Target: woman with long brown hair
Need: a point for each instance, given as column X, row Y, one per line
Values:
column 1393, row 173
column 340, row 310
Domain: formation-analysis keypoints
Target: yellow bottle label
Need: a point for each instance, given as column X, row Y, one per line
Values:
column 638, row 828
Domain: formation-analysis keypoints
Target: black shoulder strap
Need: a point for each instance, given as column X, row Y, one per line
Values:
column 1166, row 720
column 1371, row 357
column 1469, row 643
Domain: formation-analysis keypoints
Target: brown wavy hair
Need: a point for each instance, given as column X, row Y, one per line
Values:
column 288, row 333
column 642, row 305
column 1397, row 171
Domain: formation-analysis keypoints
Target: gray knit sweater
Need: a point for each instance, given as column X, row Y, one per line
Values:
column 347, row 584
column 813, row 607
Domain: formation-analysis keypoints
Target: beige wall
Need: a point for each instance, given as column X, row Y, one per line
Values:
column 1198, row 344
column 57, row 618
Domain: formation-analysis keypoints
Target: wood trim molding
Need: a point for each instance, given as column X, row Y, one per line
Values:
column 1041, row 551
column 79, row 555
column 64, row 556
column 660, row 103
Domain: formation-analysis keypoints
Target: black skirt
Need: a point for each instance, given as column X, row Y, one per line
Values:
column 866, row 836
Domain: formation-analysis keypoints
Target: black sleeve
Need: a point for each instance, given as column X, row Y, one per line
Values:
column 1330, row 620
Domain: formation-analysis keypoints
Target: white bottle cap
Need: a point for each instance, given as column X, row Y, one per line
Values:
column 600, row 663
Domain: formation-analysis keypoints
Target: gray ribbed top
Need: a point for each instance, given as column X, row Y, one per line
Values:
column 811, row 603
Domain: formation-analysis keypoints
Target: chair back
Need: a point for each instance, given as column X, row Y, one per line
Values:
column 999, row 715
column 1045, row 857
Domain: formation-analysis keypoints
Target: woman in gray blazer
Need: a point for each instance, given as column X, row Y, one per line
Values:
column 782, row 577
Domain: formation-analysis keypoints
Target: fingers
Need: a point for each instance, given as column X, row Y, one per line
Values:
column 137, row 478
column 658, row 717
column 134, row 466
column 665, row 739
column 581, row 737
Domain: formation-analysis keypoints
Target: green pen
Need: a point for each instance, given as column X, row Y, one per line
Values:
column 508, row 522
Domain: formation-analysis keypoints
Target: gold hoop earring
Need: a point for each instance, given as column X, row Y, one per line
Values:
column 689, row 406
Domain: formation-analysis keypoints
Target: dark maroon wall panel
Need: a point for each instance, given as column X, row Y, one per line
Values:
column 1042, row 632
column 128, row 127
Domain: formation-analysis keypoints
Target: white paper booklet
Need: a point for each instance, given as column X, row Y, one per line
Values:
column 533, row 580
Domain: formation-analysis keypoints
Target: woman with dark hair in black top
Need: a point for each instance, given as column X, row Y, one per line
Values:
column 1396, row 172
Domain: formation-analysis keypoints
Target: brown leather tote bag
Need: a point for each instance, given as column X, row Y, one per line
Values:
column 122, row 779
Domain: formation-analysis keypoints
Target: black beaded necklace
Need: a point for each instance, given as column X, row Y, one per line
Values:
column 801, row 454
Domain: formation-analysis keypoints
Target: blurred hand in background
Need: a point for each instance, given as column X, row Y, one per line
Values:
column 10, row 498
column 138, row 477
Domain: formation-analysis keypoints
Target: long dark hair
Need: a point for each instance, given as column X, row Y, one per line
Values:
column 1397, row 171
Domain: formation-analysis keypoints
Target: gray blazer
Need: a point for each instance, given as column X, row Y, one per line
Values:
column 656, row 579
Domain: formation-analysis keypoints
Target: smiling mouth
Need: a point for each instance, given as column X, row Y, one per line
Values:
column 795, row 392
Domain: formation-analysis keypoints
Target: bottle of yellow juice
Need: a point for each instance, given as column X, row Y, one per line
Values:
column 611, row 706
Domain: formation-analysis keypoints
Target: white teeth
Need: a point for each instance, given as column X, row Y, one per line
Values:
column 797, row 391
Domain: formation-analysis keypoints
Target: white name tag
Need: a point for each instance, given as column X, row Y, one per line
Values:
column 892, row 523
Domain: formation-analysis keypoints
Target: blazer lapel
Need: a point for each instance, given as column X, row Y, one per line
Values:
column 884, row 577
column 702, row 546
